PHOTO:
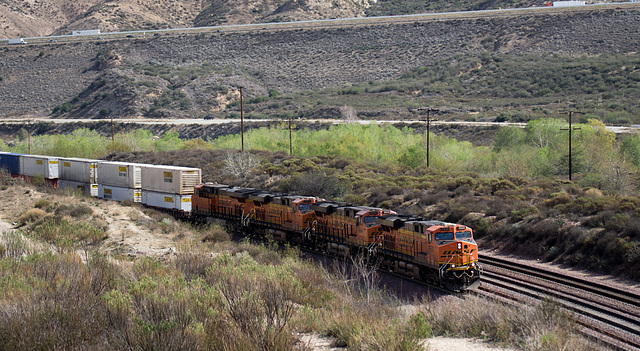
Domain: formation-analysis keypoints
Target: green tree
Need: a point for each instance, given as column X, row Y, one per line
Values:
column 631, row 149
column 196, row 144
column 170, row 141
column 509, row 137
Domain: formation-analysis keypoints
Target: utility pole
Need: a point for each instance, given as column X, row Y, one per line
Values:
column 570, row 129
column 290, row 143
column 29, row 135
column 428, row 120
column 241, row 120
column 113, row 141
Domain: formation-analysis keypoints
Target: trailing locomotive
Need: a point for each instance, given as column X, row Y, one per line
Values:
column 440, row 253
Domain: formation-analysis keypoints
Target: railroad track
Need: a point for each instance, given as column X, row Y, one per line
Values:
column 610, row 315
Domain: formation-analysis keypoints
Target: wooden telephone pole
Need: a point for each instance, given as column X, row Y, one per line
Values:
column 29, row 135
column 570, row 129
column 241, row 120
column 428, row 120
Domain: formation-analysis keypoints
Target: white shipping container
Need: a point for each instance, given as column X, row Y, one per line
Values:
column 170, row 179
column 87, row 188
column 78, row 169
column 120, row 174
column 37, row 165
column 116, row 193
column 167, row 200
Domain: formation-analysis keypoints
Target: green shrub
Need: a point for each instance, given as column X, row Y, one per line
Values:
column 31, row 216
column 42, row 203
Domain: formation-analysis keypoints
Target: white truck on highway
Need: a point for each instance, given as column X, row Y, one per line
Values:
column 17, row 41
column 86, row 32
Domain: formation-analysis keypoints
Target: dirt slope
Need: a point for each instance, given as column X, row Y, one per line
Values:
column 125, row 77
column 60, row 17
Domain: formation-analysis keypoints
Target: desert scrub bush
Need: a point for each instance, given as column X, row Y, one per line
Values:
column 314, row 183
column 46, row 313
column 258, row 301
column 153, row 314
column 66, row 235
column 31, row 216
column 193, row 265
column 75, row 211
column 213, row 233
column 42, row 204
column 352, row 328
column 14, row 244
column 557, row 199
column 5, row 178
column 544, row 326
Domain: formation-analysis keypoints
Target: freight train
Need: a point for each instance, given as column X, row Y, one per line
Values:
column 439, row 253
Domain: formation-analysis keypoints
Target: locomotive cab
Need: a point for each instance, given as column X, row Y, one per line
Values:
column 458, row 256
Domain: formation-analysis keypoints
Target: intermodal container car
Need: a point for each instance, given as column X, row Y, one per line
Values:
column 170, row 179
column 78, row 169
column 39, row 165
column 120, row 174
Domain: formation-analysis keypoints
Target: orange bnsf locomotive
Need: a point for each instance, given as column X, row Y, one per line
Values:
column 443, row 254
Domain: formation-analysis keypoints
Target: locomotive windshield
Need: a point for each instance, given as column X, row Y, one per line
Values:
column 370, row 219
column 304, row 207
column 463, row 235
column 444, row 236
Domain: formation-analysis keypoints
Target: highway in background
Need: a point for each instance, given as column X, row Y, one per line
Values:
column 322, row 23
column 146, row 121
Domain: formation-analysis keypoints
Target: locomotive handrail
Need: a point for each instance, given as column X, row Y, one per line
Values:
column 375, row 244
column 443, row 266
column 245, row 220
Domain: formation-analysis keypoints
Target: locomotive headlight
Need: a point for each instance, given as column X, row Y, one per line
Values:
column 453, row 266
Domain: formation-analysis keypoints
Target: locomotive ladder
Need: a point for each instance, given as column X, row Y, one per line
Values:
column 246, row 220
column 373, row 247
column 308, row 232
column 443, row 267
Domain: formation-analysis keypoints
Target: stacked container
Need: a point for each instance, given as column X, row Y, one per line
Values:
column 79, row 173
column 120, row 181
column 166, row 200
column 169, row 187
column 86, row 188
column 11, row 162
column 120, row 174
column 117, row 193
column 38, row 165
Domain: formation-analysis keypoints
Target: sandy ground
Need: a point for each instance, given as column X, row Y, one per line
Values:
column 317, row 343
column 127, row 232
column 450, row 344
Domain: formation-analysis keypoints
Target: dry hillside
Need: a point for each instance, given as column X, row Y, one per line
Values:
column 60, row 17
column 194, row 75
